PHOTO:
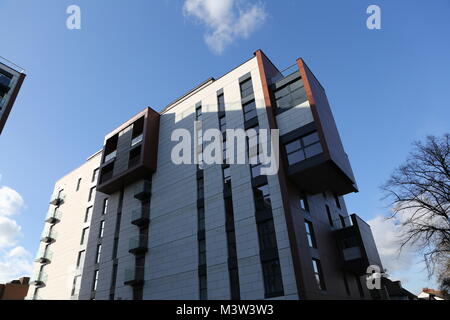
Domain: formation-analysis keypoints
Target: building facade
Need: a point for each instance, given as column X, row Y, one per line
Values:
column 132, row 224
column 11, row 79
column 14, row 290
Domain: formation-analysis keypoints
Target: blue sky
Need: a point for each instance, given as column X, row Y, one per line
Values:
column 386, row 87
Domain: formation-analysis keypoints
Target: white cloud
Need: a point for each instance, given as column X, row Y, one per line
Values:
column 15, row 261
column 9, row 231
column 11, row 202
column 226, row 20
column 387, row 237
column 14, row 264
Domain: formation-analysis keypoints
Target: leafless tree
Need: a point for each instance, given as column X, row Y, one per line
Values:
column 419, row 194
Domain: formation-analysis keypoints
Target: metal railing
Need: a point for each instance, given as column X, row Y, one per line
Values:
column 110, row 156
column 11, row 65
column 284, row 73
column 137, row 139
column 141, row 213
column 138, row 242
column 51, row 234
column 57, row 198
column 54, row 214
column 135, row 274
column 44, row 254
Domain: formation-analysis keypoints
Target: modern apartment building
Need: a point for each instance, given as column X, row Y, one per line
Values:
column 11, row 79
column 132, row 224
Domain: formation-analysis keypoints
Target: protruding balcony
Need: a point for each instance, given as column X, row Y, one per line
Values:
column 141, row 217
column 143, row 190
column 49, row 236
column 134, row 277
column 54, row 216
column 138, row 245
column 356, row 243
column 44, row 257
column 130, row 153
column 57, row 199
column 40, row 280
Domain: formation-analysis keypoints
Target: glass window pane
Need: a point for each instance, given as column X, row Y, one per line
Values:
column 296, row 157
column 293, row 146
column 313, row 150
column 310, row 139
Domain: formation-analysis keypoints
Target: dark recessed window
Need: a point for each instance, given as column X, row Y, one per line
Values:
column 91, row 194
column 310, row 234
column 97, row 255
column 262, row 196
column 254, row 150
column 221, row 103
column 102, row 229
column 318, row 274
column 267, row 237
column 110, row 150
column 336, row 199
column 95, row 175
column 330, row 218
column 273, row 283
column 107, row 172
column 198, row 112
column 105, row 206
column 84, row 235
column 138, row 132
column 290, row 95
column 134, row 157
column 226, row 175
column 94, row 284
column 223, row 125
column 203, row 288
column 249, row 110
column 87, row 215
column 78, row 184
column 200, row 189
column 304, row 205
column 201, row 218
column 246, row 88
column 303, row 148
column 80, row 258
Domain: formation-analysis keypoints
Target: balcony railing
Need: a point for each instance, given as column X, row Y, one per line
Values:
column 110, row 156
column 284, row 73
column 137, row 139
column 44, row 256
column 53, row 216
column 143, row 190
column 40, row 280
column 49, row 236
column 57, row 198
column 138, row 244
column 140, row 217
column 342, row 223
column 134, row 277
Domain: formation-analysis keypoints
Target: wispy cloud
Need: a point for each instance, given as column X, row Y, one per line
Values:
column 15, row 261
column 226, row 20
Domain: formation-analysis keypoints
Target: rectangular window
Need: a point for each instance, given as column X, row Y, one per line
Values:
column 91, row 194
column 95, row 175
column 303, row 148
column 262, row 197
column 88, row 214
column 226, row 175
column 203, row 288
column 198, row 112
column 221, row 103
column 102, row 229
column 78, row 184
column 317, row 268
column 94, row 284
column 336, row 199
column 304, row 205
column 105, row 206
column 310, row 234
column 290, row 95
column 84, row 234
column 273, row 283
column 223, row 125
column 76, row 285
column 330, row 218
column 266, row 235
column 200, row 190
column 249, row 110
column 80, row 259
column 99, row 251
column 246, row 87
